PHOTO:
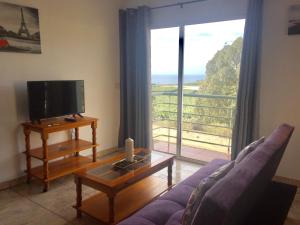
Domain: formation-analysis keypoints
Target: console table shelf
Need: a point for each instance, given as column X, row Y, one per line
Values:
column 62, row 149
column 68, row 150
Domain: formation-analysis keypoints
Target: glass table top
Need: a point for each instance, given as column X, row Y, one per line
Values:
column 143, row 161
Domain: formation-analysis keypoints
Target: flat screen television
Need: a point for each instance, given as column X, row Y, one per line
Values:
column 55, row 98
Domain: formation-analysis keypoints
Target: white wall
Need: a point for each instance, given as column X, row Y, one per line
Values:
column 280, row 81
column 79, row 41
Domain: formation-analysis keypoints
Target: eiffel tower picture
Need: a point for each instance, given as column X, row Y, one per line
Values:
column 19, row 29
column 23, row 29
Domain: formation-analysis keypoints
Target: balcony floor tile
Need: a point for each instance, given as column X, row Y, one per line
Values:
column 191, row 152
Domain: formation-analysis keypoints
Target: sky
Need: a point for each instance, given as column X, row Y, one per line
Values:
column 202, row 41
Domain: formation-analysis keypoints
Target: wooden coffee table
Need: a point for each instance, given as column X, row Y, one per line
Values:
column 122, row 191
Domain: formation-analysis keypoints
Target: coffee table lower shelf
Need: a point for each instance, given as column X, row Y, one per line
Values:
column 127, row 201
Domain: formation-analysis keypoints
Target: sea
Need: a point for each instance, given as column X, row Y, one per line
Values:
column 173, row 79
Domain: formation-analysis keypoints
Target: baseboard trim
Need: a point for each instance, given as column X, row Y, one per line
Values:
column 287, row 180
column 22, row 179
column 196, row 161
column 107, row 151
column 11, row 183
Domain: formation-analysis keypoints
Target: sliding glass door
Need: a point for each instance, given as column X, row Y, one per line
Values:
column 198, row 121
column 164, row 67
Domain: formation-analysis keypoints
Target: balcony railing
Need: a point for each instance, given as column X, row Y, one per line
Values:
column 207, row 120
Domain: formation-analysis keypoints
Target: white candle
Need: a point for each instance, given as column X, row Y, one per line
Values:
column 129, row 147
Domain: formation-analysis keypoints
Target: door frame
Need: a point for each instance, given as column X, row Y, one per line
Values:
column 180, row 90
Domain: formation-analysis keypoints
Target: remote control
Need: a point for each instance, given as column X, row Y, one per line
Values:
column 70, row 119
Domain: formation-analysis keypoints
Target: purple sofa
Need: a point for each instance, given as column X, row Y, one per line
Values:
column 245, row 196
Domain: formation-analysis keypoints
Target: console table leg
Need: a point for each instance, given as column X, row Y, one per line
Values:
column 46, row 186
column 28, row 157
column 46, row 164
column 79, row 195
column 94, row 126
column 170, row 171
column 77, row 138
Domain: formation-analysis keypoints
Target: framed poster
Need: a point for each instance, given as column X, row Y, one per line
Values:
column 19, row 29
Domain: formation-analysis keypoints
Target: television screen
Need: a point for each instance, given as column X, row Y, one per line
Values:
column 55, row 98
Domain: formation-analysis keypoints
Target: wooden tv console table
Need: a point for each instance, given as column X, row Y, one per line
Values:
column 66, row 154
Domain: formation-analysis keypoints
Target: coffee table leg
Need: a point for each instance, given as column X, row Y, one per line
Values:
column 170, row 167
column 111, row 203
column 79, row 195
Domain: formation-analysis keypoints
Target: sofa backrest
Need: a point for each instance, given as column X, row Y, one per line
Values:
column 232, row 198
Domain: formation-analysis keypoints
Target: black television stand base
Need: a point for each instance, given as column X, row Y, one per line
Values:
column 77, row 114
column 73, row 118
column 70, row 119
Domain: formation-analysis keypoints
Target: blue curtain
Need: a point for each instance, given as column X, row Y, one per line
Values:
column 243, row 131
column 135, row 76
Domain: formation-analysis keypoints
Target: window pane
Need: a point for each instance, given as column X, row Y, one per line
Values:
column 164, row 68
column 211, row 72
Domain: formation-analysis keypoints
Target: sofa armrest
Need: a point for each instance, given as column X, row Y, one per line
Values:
column 273, row 206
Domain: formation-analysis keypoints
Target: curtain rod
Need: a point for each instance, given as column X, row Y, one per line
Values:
column 181, row 4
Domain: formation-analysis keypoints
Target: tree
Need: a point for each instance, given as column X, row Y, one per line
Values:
column 223, row 70
column 222, row 77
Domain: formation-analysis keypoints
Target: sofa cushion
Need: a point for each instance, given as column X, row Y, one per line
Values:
column 199, row 192
column 233, row 197
column 159, row 211
column 182, row 198
column 176, row 218
column 248, row 149
column 136, row 220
